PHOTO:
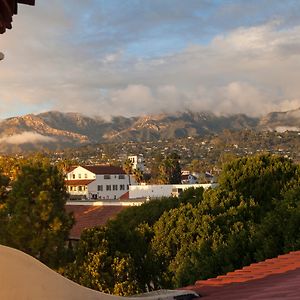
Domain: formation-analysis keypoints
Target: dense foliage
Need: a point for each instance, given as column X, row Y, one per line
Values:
column 173, row 242
column 32, row 214
column 118, row 258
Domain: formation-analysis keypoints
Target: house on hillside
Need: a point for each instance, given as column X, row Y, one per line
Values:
column 103, row 182
column 138, row 162
column 188, row 179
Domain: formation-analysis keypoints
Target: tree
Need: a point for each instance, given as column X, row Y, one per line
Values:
column 127, row 166
column 261, row 177
column 118, row 258
column 238, row 223
column 170, row 170
column 138, row 175
column 35, row 217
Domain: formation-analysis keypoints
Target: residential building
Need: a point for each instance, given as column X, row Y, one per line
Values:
column 162, row 190
column 103, row 182
column 138, row 162
column 188, row 179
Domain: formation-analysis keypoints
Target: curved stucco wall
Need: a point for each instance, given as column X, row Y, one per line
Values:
column 24, row 278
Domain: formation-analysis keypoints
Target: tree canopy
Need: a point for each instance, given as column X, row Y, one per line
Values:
column 173, row 242
column 33, row 216
column 170, row 170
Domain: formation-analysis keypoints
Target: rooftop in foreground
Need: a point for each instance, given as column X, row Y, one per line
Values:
column 277, row 278
column 90, row 216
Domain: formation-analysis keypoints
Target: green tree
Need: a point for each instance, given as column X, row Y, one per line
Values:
column 127, row 166
column 118, row 258
column 138, row 175
column 37, row 222
column 170, row 170
column 233, row 225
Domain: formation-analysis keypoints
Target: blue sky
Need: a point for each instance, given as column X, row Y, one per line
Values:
column 132, row 57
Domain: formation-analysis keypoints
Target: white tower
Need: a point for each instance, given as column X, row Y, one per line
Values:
column 138, row 162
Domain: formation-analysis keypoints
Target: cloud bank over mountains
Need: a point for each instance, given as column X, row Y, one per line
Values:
column 26, row 137
column 127, row 58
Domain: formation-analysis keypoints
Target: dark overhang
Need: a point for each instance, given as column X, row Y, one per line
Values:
column 8, row 8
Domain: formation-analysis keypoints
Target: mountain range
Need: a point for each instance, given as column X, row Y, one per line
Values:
column 56, row 130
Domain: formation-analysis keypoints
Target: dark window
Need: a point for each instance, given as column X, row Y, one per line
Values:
column 73, row 176
column 115, row 187
column 100, row 188
column 122, row 176
column 108, row 187
column 106, row 176
column 122, row 187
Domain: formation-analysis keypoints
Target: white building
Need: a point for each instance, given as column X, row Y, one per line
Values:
column 188, row 179
column 162, row 190
column 138, row 162
column 97, row 182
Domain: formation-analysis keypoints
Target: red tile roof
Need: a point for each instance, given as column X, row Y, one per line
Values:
column 105, row 169
column 125, row 196
column 88, row 216
column 101, row 169
column 277, row 278
column 79, row 182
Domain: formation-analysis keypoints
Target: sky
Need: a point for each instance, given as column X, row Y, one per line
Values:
column 137, row 57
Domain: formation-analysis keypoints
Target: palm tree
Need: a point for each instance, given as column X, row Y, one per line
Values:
column 170, row 170
column 138, row 175
column 127, row 166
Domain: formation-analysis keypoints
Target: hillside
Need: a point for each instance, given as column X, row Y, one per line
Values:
column 55, row 130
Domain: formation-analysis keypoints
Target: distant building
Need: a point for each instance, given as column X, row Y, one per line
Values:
column 162, row 190
column 188, row 179
column 103, row 182
column 138, row 162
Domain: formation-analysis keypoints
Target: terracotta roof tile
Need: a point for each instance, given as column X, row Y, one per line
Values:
column 277, row 278
column 105, row 169
column 88, row 216
column 101, row 169
column 79, row 182
column 125, row 196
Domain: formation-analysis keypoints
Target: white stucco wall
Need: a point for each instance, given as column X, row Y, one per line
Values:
column 112, row 188
column 80, row 173
column 114, row 181
column 157, row 191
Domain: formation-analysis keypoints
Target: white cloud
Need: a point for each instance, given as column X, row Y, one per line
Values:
column 251, row 70
column 26, row 137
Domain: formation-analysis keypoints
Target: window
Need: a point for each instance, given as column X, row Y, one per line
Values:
column 80, row 188
column 122, row 187
column 122, row 176
column 73, row 175
column 115, row 187
column 127, row 187
column 85, row 175
column 100, row 188
column 79, row 176
column 106, row 176
column 71, row 188
column 108, row 187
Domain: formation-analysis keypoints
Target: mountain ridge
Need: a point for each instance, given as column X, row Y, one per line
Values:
column 74, row 129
